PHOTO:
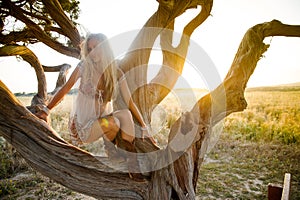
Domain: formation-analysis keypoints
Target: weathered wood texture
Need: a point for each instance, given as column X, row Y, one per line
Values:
column 80, row 171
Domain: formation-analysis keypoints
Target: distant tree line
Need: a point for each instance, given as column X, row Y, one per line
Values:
column 21, row 94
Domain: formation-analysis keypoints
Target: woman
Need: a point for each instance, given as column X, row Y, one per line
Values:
column 93, row 116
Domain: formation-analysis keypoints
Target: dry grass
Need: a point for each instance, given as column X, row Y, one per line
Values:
column 257, row 146
column 271, row 116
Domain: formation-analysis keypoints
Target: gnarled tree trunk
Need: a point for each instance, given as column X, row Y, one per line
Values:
column 173, row 170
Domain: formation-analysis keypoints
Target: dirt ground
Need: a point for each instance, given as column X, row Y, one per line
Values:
column 232, row 170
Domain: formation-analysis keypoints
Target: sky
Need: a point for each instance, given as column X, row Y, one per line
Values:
column 219, row 37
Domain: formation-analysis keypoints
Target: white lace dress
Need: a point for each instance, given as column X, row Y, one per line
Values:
column 88, row 108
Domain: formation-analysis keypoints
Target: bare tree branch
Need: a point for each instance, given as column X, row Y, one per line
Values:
column 13, row 37
column 229, row 96
column 62, row 76
column 149, row 95
column 30, row 57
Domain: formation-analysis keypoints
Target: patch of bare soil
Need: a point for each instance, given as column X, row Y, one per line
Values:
column 242, row 169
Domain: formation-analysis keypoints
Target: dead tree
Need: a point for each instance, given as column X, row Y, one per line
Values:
column 78, row 170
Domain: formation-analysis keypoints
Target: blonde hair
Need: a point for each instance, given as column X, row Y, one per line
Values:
column 107, row 78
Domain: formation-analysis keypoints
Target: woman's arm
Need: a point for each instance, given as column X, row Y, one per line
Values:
column 131, row 105
column 64, row 89
column 59, row 95
column 133, row 108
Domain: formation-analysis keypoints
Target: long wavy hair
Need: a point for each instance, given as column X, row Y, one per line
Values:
column 104, row 72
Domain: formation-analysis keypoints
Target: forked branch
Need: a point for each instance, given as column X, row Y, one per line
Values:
column 228, row 97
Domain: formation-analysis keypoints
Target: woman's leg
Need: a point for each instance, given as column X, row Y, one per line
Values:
column 128, row 135
column 110, row 126
column 107, row 127
column 126, row 124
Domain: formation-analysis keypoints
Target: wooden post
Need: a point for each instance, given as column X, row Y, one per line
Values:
column 274, row 191
column 278, row 192
column 286, row 187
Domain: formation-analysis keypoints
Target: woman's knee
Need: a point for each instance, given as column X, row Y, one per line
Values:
column 126, row 114
column 113, row 123
column 127, row 125
column 110, row 126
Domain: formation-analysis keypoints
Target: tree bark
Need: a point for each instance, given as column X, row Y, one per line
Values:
column 62, row 76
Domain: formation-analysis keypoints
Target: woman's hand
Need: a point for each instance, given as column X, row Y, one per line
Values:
column 146, row 131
